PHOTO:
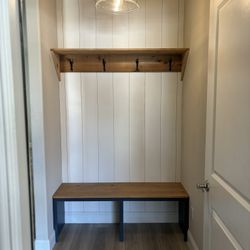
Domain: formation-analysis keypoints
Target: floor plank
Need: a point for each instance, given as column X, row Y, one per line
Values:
column 105, row 237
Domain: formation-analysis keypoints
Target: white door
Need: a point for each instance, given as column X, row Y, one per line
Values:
column 227, row 220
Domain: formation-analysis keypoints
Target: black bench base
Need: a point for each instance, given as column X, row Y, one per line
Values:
column 59, row 213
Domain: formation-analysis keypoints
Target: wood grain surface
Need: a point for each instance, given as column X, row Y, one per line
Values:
column 121, row 190
column 121, row 60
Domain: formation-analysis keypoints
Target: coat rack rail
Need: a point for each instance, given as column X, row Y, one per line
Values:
column 120, row 60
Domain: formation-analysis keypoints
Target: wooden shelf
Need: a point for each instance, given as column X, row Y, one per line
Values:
column 130, row 190
column 120, row 60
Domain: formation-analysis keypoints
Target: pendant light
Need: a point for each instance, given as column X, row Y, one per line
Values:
column 117, row 6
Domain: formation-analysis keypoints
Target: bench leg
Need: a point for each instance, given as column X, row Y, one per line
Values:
column 184, row 216
column 121, row 221
column 58, row 217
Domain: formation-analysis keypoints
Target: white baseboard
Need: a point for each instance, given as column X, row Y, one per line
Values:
column 52, row 240
column 129, row 217
column 191, row 242
column 46, row 244
column 42, row 245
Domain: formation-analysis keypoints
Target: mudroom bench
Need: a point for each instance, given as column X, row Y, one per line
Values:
column 120, row 192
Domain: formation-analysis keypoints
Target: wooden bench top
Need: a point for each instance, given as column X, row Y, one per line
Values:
column 129, row 190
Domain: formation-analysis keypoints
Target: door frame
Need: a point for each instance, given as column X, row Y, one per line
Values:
column 15, row 224
column 209, row 122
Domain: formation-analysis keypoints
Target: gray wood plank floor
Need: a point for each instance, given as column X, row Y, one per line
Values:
column 105, row 237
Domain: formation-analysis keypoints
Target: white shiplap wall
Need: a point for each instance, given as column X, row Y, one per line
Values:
column 120, row 127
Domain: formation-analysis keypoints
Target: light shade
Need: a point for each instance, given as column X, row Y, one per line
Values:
column 117, row 6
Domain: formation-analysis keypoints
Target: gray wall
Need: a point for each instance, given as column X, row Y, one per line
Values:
column 196, row 23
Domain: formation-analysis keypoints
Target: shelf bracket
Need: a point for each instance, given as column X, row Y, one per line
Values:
column 56, row 60
column 184, row 64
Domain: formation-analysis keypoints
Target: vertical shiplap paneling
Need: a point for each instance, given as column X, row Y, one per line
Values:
column 90, row 101
column 121, row 104
column 137, row 130
column 87, row 24
column 153, row 101
column 74, row 100
column 153, row 127
column 90, row 154
column 168, row 127
column 104, row 39
column 169, row 93
column 105, row 128
column 170, row 23
column 120, row 127
column 153, row 95
column 137, row 105
column 170, row 38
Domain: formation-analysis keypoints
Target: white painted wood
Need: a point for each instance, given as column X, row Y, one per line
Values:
column 232, row 119
column 104, row 29
column 137, row 39
column 121, row 128
column 191, row 242
column 71, row 34
column 137, row 127
column 170, row 21
column 87, row 27
column 74, row 99
column 113, row 106
column 153, row 19
column 105, row 133
column 71, row 39
column 137, row 133
column 121, row 94
column 169, row 38
column 89, row 108
column 221, row 238
column 136, row 22
column 15, row 227
column 227, row 220
column 105, row 127
column 120, row 31
column 37, row 121
column 168, row 127
column 153, row 127
column 153, row 98
column 90, row 154
column 90, row 129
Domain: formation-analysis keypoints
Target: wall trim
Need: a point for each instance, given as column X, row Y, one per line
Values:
column 42, row 245
column 52, row 240
column 37, row 121
column 14, row 190
column 46, row 244
column 191, row 242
